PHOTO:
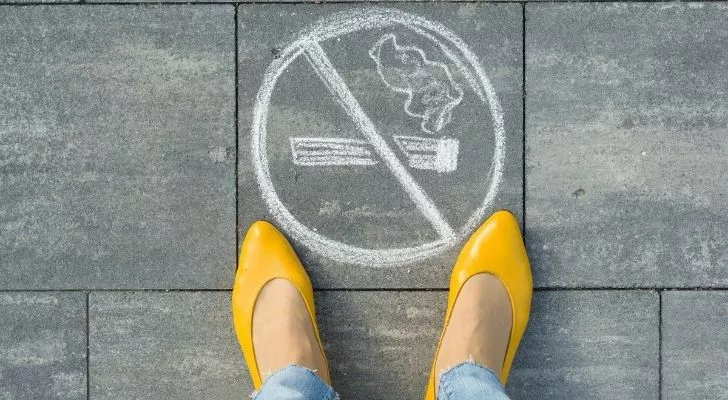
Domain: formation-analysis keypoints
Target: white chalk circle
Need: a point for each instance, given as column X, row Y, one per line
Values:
column 308, row 45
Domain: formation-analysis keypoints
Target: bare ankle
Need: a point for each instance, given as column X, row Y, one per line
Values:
column 283, row 332
column 479, row 326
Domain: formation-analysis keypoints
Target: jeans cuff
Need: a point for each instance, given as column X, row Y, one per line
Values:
column 294, row 381
column 466, row 363
column 468, row 381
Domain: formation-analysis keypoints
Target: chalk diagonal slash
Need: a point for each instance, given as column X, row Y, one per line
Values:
column 321, row 63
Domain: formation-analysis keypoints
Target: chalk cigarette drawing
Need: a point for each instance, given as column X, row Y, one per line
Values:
column 317, row 152
column 431, row 154
column 439, row 155
column 431, row 92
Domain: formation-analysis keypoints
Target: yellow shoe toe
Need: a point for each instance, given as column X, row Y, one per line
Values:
column 495, row 248
column 265, row 255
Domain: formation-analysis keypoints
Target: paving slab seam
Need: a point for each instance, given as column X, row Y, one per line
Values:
column 523, row 110
column 412, row 290
column 693, row 289
column 626, row 288
column 237, row 133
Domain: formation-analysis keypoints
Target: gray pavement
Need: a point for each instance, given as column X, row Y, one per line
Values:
column 127, row 174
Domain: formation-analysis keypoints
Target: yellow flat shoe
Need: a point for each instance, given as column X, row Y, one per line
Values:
column 495, row 248
column 266, row 255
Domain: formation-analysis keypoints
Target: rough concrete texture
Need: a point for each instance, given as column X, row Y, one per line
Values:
column 177, row 345
column 117, row 147
column 43, row 346
column 590, row 345
column 694, row 353
column 155, row 2
column 381, row 344
column 385, row 2
column 627, row 144
column 366, row 206
column 28, row 2
column 182, row 345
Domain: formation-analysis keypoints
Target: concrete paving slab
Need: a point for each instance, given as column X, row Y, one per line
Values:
column 181, row 345
column 117, row 143
column 380, row 344
column 28, row 2
column 365, row 216
column 177, row 345
column 43, row 346
column 155, row 2
column 627, row 144
column 253, row 1
column 589, row 345
column 694, row 354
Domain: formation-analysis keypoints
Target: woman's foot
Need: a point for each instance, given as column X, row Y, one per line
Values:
column 283, row 331
column 479, row 327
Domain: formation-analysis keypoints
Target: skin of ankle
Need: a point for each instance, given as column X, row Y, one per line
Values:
column 479, row 327
column 283, row 332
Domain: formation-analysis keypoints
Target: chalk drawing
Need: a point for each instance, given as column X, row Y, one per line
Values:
column 336, row 85
column 430, row 89
column 428, row 154
column 318, row 152
column 308, row 45
column 439, row 155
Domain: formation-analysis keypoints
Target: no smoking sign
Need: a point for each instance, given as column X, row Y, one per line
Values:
column 377, row 138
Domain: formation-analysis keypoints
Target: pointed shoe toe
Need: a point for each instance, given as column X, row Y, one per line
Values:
column 265, row 255
column 495, row 248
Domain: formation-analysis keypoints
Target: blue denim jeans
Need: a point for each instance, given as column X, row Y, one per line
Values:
column 466, row 381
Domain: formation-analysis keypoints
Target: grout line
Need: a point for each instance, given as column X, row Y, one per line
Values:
column 595, row 289
column 237, row 156
column 623, row 288
column 391, row 289
column 523, row 120
column 536, row 289
column 99, row 290
column 659, row 348
column 88, row 349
